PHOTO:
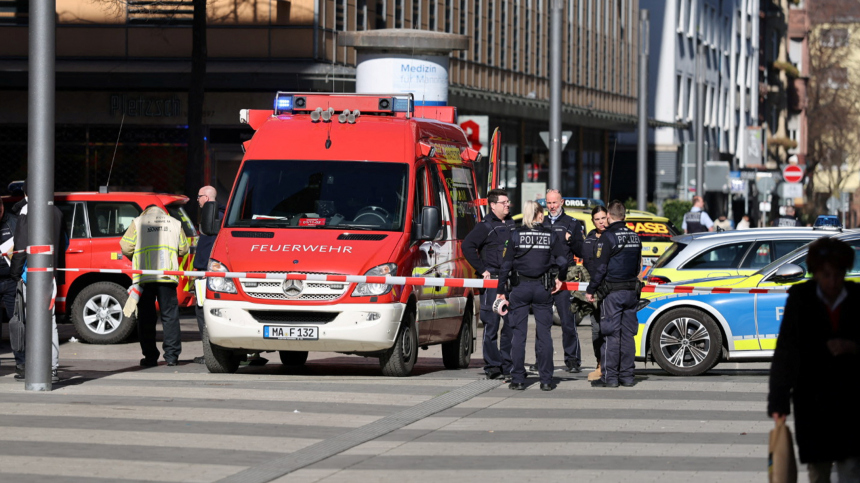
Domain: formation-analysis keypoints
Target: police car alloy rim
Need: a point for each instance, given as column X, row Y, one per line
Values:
column 102, row 314
column 685, row 342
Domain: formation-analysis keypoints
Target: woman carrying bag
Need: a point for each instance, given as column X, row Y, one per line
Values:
column 816, row 361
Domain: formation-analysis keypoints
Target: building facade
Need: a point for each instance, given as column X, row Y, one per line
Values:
column 727, row 30
column 123, row 72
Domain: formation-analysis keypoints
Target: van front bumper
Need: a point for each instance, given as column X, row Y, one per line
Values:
column 351, row 328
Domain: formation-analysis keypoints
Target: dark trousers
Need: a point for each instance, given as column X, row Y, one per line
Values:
column 569, row 337
column 497, row 351
column 596, row 337
column 165, row 293
column 201, row 320
column 619, row 325
column 8, row 288
column 531, row 294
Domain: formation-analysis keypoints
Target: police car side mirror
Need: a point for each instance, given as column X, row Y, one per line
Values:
column 430, row 223
column 209, row 223
column 788, row 273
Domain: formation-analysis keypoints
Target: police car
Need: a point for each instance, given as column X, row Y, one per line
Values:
column 688, row 334
column 727, row 253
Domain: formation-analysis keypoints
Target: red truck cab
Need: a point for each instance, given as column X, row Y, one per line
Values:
column 345, row 184
column 95, row 223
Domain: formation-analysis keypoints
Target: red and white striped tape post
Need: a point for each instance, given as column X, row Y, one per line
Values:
column 424, row 281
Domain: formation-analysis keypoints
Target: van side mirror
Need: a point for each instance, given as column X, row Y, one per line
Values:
column 209, row 222
column 430, row 223
column 788, row 273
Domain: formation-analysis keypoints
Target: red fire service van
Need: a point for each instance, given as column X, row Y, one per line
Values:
column 345, row 184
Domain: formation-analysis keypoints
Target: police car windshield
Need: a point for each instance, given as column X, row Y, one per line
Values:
column 320, row 194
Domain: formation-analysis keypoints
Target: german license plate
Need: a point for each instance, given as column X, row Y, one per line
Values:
column 648, row 261
column 291, row 333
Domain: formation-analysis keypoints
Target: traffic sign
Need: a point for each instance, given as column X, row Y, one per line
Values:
column 565, row 137
column 792, row 173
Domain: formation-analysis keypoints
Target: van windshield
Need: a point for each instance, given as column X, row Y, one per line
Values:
column 320, row 194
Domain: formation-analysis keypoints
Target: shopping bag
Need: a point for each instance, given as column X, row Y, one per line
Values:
column 781, row 465
column 17, row 333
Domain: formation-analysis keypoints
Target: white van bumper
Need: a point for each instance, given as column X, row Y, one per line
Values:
column 339, row 328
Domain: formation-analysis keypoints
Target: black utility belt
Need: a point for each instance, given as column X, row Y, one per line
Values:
column 531, row 279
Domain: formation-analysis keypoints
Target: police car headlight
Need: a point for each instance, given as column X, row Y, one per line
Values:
column 368, row 289
column 220, row 284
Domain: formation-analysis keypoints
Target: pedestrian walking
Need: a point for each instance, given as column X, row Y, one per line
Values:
column 744, row 224
column 154, row 241
column 617, row 264
column 482, row 248
column 570, row 230
column 535, row 262
column 696, row 220
column 589, row 262
column 817, row 357
column 59, row 242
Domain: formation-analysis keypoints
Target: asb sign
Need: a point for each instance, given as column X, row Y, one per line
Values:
column 477, row 129
column 792, row 173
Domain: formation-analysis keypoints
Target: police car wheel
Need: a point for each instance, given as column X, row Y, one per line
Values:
column 686, row 342
column 293, row 358
column 457, row 354
column 399, row 360
column 97, row 314
column 218, row 359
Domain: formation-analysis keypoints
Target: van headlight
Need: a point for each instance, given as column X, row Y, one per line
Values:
column 219, row 284
column 368, row 289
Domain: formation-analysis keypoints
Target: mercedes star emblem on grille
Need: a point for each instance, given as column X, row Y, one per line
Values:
column 293, row 288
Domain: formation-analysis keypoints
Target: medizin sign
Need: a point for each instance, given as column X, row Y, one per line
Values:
column 792, row 173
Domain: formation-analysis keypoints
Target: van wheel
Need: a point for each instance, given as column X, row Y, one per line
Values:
column 97, row 314
column 218, row 359
column 293, row 358
column 686, row 342
column 457, row 354
column 399, row 360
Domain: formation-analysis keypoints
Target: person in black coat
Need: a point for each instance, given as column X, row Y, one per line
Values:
column 815, row 363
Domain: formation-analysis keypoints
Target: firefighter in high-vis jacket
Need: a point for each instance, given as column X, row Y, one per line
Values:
column 155, row 241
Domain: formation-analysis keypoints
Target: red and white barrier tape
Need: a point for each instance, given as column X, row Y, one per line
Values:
column 424, row 281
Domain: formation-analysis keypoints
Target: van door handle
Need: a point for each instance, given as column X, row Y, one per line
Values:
column 74, row 251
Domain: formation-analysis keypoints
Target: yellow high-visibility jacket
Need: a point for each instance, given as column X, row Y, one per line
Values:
column 154, row 241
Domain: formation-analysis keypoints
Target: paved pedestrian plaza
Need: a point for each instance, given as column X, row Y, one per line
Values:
column 338, row 420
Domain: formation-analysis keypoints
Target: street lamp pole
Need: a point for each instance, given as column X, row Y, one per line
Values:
column 556, row 13
column 642, row 150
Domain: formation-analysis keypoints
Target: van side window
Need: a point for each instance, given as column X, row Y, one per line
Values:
column 459, row 182
column 76, row 223
column 110, row 218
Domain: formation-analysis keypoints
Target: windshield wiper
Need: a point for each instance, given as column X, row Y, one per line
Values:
column 343, row 226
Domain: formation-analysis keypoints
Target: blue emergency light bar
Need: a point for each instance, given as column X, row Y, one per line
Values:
column 291, row 102
column 283, row 102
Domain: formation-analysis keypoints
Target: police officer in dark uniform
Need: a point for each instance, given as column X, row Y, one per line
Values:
column 535, row 260
column 482, row 248
column 696, row 220
column 589, row 261
column 788, row 219
column 618, row 261
column 570, row 229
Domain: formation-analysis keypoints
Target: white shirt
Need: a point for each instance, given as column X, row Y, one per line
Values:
column 839, row 298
